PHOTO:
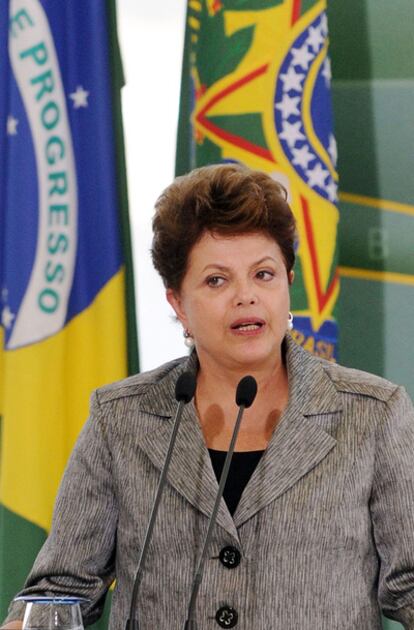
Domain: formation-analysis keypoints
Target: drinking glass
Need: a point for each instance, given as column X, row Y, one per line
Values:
column 52, row 613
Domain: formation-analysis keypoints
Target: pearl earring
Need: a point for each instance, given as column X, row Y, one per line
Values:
column 290, row 321
column 188, row 339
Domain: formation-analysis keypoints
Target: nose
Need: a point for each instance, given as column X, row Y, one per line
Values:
column 245, row 294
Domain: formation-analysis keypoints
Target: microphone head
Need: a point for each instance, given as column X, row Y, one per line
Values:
column 246, row 391
column 185, row 387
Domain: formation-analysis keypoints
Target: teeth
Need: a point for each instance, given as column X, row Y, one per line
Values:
column 249, row 326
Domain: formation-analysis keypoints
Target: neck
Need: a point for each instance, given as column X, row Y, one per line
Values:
column 217, row 381
column 214, row 376
column 216, row 407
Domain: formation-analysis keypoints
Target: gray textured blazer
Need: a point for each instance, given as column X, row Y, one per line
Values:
column 324, row 526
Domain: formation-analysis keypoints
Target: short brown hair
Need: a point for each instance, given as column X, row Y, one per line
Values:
column 226, row 199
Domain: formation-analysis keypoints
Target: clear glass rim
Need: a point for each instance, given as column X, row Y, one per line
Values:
column 56, row 599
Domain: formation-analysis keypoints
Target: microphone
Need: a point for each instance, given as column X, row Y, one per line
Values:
column 246, row 392
column 184, row 392
column 245, row 395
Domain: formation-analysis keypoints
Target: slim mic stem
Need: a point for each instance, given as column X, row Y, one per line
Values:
column 190, row 623
column 132, row 623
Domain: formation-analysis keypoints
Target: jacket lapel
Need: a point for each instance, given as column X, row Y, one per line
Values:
column 191, row 472
column 302, row 438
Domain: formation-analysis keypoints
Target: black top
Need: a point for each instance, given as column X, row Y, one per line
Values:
column 241, row 469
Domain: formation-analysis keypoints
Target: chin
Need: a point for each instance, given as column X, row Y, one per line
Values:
column 254, row 357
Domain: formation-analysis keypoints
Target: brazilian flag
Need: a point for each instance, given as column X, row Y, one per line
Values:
column 256, row 89
column 67, row 300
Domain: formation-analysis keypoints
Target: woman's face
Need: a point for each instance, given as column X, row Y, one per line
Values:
column 234, row 300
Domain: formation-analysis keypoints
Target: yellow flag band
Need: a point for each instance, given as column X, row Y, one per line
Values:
column 55, row 377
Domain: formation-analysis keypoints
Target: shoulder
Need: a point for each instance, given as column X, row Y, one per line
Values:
column 140, row 384
column 329, row 378
column 370, row 396
column 351, row 381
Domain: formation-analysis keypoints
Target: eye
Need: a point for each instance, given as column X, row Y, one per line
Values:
column 265, row 274
column 215, row 281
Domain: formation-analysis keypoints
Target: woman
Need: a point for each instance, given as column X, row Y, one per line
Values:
column 316, row 528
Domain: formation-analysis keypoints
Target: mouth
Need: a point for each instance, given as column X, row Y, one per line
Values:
column 249, row 325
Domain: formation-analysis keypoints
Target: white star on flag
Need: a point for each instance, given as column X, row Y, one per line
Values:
column 7, row 317
column 332, row 149
column 291, row 133
column 324, row 25
column 326, row 71
column 289, row 106
column 4, row 294
column 332, row 191
column 79, row 97
column 302, row 157
column 302, row 57
column 12, row 123
column 317, row 176
column 292, row 80
column 315, row 38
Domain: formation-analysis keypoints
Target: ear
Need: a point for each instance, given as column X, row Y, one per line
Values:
column 291, row 277
column 175, row 301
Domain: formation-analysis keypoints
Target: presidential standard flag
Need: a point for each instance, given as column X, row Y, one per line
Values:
column 67, row 315
column 256, row 90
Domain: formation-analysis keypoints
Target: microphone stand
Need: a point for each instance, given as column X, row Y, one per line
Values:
column 185, row 388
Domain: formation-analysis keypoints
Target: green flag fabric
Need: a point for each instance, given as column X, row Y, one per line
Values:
column 373, row 93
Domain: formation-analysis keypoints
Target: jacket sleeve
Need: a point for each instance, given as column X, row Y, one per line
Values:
column 78, row 556
column 392, row 509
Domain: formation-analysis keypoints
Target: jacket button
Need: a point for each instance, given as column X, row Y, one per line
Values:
column 226, row 617
column 230, row 557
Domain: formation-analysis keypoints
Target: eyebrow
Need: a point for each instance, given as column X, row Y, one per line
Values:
column 224, row 268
